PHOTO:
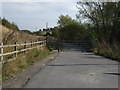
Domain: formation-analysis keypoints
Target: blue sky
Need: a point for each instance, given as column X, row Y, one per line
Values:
column 29, row 15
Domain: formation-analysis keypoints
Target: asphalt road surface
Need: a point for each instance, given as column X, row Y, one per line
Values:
column 75, row 69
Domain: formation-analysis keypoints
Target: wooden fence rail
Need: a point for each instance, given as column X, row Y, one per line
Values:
column 16, row 51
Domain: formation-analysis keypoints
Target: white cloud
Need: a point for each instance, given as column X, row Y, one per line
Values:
column 30, row 7
column 28, row 15
column 59, row 0
column 39, row 0
column 0, row 9
column 22, row 7
column 71, row 6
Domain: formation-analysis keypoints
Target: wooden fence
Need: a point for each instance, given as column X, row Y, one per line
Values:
column 16, row 51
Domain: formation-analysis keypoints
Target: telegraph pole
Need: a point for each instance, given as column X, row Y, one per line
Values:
column 36, row 28
column 46, row 25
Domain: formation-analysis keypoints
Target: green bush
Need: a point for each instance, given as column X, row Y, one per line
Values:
column 106, row 50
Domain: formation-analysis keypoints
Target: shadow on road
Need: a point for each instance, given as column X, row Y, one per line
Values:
column 112, row 73
column 78, row 64
column 95, row 57
column 72, row 47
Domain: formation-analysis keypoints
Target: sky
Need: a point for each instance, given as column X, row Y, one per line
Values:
column 34, row 15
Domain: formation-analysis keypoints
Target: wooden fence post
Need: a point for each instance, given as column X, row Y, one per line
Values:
column 37, row 43
column 1, row 52
column 31, row 44
column 40, row 43
column 47, row 42
column 15, row 49
column 25, row 47
column 44, row 42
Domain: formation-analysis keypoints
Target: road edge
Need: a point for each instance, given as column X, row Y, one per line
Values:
column 21, row 79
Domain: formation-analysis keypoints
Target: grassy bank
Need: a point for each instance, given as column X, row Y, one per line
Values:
column 24, row 60
column 109, row 51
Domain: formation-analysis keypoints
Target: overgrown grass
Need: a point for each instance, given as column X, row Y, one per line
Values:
column 109, row 51
column 0, row 79
column 0, row 73
column 12, row 68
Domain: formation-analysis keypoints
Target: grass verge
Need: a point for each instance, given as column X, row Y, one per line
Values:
column 12, row 68
column 108, row 51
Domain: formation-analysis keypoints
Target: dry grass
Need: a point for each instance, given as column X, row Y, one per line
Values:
column 24, row 60
column 5, row 30
column 12, row 68
column 0, row 73
column 110, row 51
column 11, row 36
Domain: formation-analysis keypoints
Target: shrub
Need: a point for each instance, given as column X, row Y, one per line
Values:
column 110, row 51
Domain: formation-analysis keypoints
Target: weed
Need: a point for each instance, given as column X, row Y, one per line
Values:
column 12, row 68
column 110, row 51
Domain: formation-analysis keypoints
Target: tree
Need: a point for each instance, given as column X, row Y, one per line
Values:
column 103, row 17
column 55, row 32
column 44, row 29
column 70, row 29
column 9, row 25
column 40, row 30
column 73, row 31
column 64, row 20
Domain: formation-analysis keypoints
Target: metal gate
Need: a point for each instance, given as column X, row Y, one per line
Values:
column 77, row 45
column 67, row 45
